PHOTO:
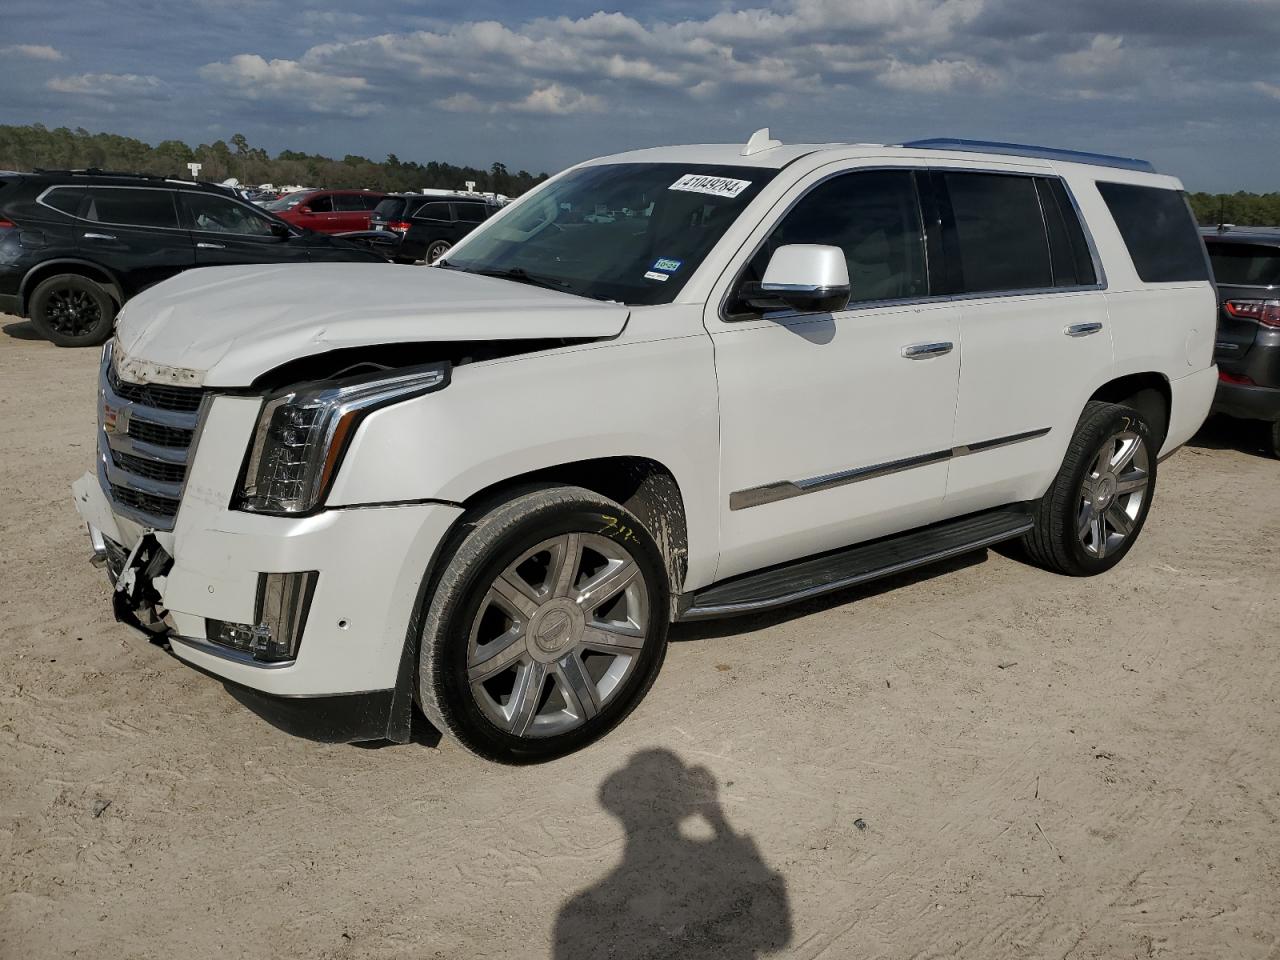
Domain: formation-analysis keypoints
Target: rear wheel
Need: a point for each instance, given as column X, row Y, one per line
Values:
column 436, row 250
column 72, row 311
column 546, row 627
column 1098, row 503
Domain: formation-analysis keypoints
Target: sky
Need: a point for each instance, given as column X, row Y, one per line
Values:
column 538, row 85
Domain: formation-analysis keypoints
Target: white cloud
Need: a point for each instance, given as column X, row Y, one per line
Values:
column 108, row 85
column 937, row 76
column 555, row 99
column 252, row 77
column 1269, row 89
column 33, row 51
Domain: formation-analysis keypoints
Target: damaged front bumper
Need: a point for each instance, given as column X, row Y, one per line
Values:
column 308, row 618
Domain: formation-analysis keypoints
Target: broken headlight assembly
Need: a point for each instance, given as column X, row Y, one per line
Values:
column 303, row 432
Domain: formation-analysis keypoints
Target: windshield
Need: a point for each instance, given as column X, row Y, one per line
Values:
column 631, row 232
column 287, row 202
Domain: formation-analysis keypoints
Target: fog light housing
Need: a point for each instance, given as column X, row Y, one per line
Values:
column 280, row 616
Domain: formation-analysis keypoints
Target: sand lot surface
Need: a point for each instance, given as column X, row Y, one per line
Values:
column 983, row 760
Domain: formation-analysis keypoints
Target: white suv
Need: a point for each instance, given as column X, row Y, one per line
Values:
column 676, row 383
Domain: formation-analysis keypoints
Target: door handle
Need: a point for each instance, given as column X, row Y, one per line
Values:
column 923, row 351
column 99, row 236
column 203, row 245
column 1082, row 329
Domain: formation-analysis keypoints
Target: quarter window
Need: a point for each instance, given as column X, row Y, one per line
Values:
column 1159, row 231
column 874, row 217
column 470, row 212
column 350, row 202
column 71, row 200
column 998, row 234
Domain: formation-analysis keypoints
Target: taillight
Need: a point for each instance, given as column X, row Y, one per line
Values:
column 1239, row 378
column 400, row 226
column 7, row 224
column 1265, row 312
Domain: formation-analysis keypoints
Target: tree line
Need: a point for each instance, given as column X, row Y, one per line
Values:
column 1243, row 209
column 34, row 146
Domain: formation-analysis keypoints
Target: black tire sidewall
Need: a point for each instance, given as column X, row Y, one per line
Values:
column 444, row 246
column 70, row 281
column 466, row 718
column 1090, row 436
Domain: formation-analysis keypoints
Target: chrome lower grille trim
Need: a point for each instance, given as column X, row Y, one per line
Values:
column 146, row 433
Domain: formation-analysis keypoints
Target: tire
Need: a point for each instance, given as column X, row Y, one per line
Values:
column 591, row 655
column 72, row 311
column 435, row 250
column 1092, row 514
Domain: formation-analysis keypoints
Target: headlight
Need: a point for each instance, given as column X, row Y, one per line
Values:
column 303, row 432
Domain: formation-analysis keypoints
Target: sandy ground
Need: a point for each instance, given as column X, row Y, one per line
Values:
column 982, row 761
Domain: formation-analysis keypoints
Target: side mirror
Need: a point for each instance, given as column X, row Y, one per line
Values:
column 806, row 277
column 281, row 230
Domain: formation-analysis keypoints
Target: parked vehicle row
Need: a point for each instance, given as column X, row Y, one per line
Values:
column 74, row 248
column 1246, row 265
column 672, row 384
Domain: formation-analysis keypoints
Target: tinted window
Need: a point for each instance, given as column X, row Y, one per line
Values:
column 1068, row 249
column 215, row 214
column 1158, row 230
column 129, row 207
column 369, row 201
column 321, row 204
column 1245, row 264
column 434, row 211
column 998, row 235
column 391, row 207
column 470, row 212
column 874, row 218
column 349, row 202
column 72, row 200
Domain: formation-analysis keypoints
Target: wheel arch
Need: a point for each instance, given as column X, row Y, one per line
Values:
column 644, row 486
column 1147, row 392
column 84, row 268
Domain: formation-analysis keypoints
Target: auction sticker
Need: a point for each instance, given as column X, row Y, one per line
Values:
column 654, row 275
column 715, row 186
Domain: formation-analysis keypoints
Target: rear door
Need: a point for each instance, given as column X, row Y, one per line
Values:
column 226, row 231
column 1033, row 318
column 351, row 212
column 133, row 232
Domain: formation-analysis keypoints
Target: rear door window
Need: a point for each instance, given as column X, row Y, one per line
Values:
column 1245, row 264
column 1159, row 231
column 470, row 212
column 349, row 203
column 321, row 204
column 997, row 234
column 125, row 206
column 434, row 211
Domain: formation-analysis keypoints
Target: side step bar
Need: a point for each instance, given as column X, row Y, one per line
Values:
column 850, row 566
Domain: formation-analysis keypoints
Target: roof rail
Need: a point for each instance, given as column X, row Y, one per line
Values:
column 95, row 172
column 1028, row 150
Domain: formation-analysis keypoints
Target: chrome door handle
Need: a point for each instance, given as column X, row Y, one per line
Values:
column 923, row 351
column 99, row 236
column 202, row 245
column 1082, row 329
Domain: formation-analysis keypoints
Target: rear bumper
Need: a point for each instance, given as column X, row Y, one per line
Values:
column 1247, row 402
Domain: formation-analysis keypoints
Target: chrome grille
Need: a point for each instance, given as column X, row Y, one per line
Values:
column 146, row 433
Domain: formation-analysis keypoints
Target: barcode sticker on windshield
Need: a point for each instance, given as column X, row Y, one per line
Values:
column 716, row 186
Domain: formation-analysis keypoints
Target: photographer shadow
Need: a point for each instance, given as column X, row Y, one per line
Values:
column 688, row 886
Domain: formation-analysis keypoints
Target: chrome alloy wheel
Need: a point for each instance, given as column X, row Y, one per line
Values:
column 557, row 634
column 1113, row 493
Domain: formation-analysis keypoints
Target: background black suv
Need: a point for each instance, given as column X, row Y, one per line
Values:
column 440, row 223
column 74, row 246
column 1246, row 266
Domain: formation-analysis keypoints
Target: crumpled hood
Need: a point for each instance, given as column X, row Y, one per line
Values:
column 225, row 326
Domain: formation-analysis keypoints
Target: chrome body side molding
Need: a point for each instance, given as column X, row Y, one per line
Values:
column 786, row 489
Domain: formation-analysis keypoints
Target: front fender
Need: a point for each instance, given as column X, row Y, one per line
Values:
column 505, row 418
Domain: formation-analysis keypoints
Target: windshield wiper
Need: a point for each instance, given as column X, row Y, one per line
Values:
column 521, row 275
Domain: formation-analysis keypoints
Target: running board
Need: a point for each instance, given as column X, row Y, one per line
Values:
column 850, row 566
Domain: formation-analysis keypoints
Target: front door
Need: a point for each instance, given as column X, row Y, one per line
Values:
column 226, row 231
column 836, row 428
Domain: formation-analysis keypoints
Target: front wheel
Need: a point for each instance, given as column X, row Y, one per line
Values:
column 1098, row 503
column 546, row 627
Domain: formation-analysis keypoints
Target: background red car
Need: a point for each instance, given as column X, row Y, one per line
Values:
column 327, row 211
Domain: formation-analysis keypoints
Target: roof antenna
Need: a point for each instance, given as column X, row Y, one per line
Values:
column 760, row 142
